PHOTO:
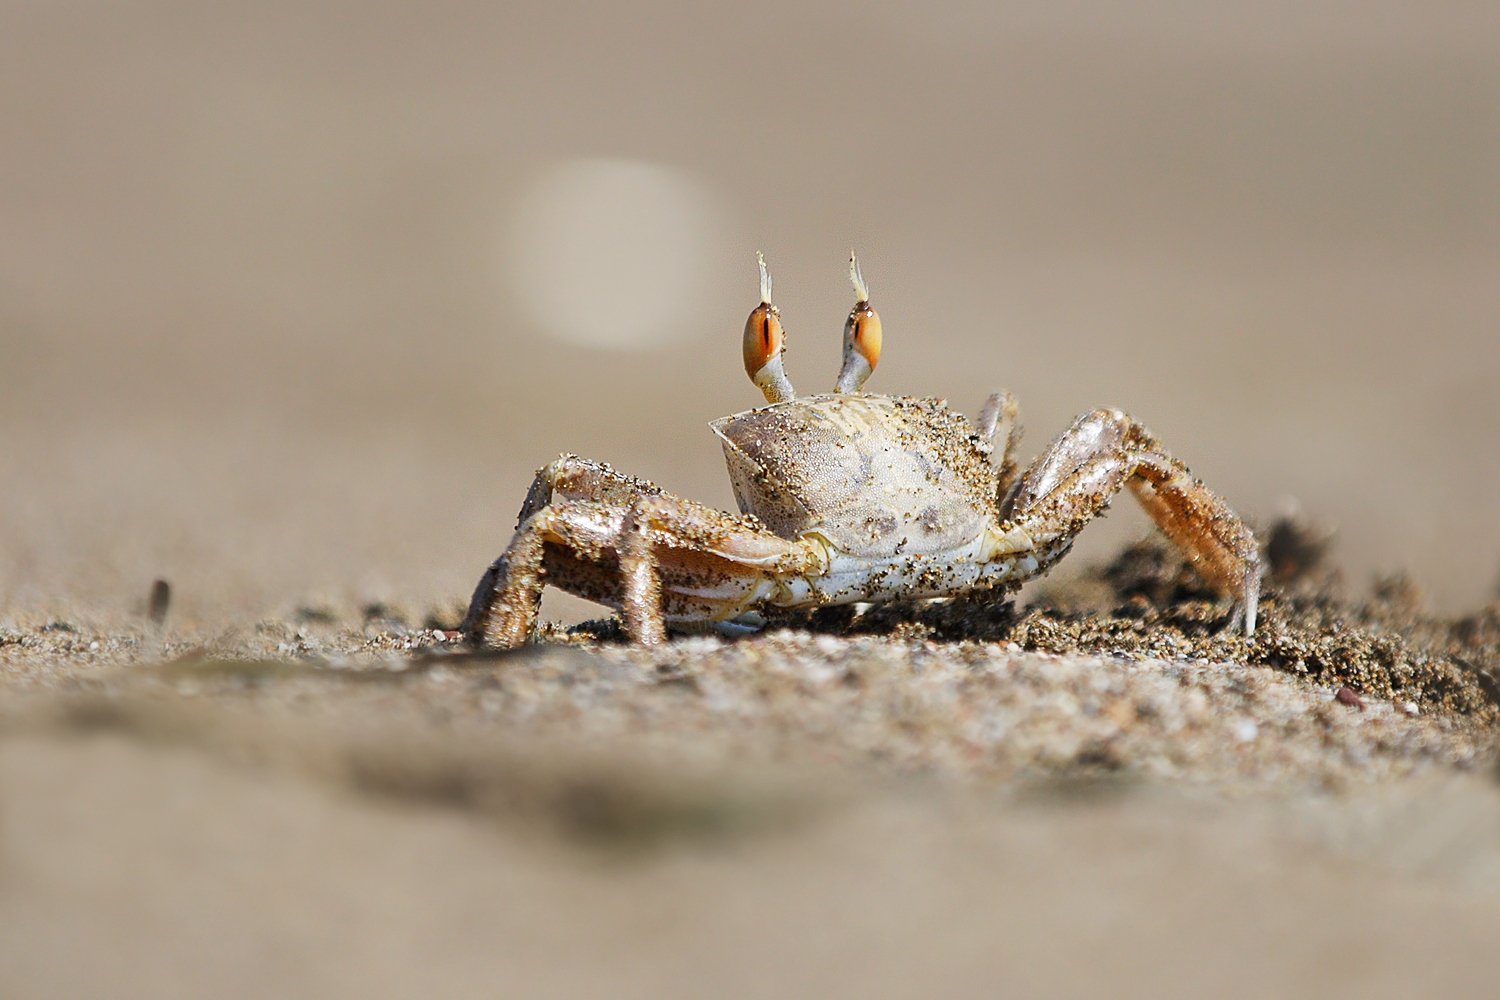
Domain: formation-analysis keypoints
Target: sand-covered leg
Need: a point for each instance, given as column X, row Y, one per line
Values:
column 1088, row 464
column 640, row 582
column 687, row 562
column 624, row 542
column 572, row 478
column 504, row 606
column 503, row 609
column 1201, row 524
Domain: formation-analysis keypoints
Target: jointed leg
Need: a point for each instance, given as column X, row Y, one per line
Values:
column 1000, row 420
column 597, row 518
column 504, row 607
column 1106, row 450
column 640, row 600
column 1203, row 527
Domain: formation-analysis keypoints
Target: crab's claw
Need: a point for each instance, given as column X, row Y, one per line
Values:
column 765, row 341
column 861, row 336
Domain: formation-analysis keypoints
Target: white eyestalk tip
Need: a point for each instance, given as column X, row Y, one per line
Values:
column 861, row 290
column 765, row 278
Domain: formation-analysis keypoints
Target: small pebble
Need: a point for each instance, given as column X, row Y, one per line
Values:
column 1245, row 731
column 1346, row 696
column 827, row 645
column 1409, row 708
column 161, row 600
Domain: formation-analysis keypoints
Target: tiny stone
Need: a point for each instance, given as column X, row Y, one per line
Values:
column 160, row 601
column 1245, row 731
column 94, row 646
column 1409, row 708
column 1346, row 696
column 827, row 645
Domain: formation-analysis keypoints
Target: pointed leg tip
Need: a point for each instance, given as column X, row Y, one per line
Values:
column 1247, row 616
column 493, row 641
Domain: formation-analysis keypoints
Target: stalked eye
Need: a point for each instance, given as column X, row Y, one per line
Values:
column 764, row 341
column 862, row 336
column 764, row 338
column 866, row 332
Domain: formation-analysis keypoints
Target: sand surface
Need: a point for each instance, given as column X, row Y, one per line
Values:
column 340, row 807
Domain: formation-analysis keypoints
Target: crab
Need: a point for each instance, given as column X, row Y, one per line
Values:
column 845, row 497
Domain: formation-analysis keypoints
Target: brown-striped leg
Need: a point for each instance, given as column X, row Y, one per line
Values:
column 1201, row 524
column 1088, row 464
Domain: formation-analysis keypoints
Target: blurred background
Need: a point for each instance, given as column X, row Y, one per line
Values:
column 295, row 297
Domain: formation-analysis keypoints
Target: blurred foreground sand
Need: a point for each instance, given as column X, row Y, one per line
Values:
column 141, row 871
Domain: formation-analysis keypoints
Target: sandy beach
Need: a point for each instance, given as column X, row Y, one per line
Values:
column 311, row 806
column 296, row 297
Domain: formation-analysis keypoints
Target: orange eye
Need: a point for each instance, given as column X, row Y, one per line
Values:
column 763, row 338
column 865, row 324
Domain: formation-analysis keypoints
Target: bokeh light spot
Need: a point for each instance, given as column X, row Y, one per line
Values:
column 610, row 253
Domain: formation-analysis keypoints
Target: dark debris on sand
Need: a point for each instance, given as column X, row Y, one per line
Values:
column 1155, row 606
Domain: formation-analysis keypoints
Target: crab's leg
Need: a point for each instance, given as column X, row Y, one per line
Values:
column 504, row 607
column 1000, row 421
column 1078, row 475
column 598, row 518
column 640, row 581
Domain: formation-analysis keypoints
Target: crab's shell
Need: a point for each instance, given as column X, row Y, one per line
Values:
column 876, row 476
